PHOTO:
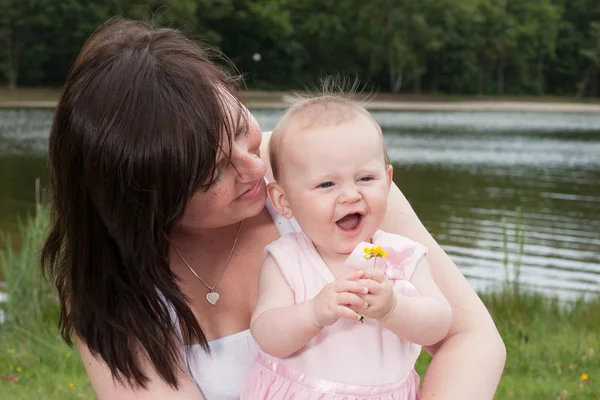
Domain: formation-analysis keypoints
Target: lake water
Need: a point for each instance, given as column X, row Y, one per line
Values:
column 461, row 171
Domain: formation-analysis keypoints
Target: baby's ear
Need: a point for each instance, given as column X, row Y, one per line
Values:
column 389, row 171
column 277, row 196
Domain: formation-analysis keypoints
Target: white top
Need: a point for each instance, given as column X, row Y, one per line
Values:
column 220, row 375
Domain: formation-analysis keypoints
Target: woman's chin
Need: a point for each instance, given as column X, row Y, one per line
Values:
column 253, row 207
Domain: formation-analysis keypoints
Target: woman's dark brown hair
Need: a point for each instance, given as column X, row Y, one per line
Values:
column 135, row 134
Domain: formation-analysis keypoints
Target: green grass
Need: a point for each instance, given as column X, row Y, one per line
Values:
column 549, row 345
column 34, row 361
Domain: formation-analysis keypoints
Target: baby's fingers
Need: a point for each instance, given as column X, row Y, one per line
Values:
column 351, row 299
column 350, row 286
column 351, row 276
column 375, row 274
column 372, row 286
column 345, row 312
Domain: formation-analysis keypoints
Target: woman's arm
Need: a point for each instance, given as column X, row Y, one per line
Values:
column 108, row 389
column 473, row 346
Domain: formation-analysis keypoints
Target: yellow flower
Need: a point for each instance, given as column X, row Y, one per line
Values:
column 374, row 251
column 584, row 378
column 19, row 369
column 71, row 385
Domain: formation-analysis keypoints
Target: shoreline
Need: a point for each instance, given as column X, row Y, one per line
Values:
column 47, row 99
column 378, row 105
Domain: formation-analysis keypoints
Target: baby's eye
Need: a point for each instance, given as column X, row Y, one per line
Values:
column 366, row 178
column 326, row 185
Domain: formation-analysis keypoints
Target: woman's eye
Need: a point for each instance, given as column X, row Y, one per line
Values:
column 326, row 185
column 242, row 130
column 220, row 171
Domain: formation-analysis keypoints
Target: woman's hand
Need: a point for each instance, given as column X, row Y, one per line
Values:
column 381, row 298
column 339, row 299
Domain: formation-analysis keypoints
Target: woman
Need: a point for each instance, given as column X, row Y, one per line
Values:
column 159, row 224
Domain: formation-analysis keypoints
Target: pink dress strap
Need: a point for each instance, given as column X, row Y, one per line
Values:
column 282, row 251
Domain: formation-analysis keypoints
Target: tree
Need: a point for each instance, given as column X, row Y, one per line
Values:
column 591, row 52
column 19, row 22
column 257, row 35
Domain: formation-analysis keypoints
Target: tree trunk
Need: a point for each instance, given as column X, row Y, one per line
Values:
column 480, row 82
column 434, row 81
column 540, row 78
column 595, row 83
column 584, row 83
column 398, row 82
column 392, row 74
column 500, row 77
column 418, row 84
column 12, row 82
column 12, row 69
column 396, row 71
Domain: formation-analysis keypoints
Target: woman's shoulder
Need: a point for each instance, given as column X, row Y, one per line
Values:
column 267, row 135
column 264, row 153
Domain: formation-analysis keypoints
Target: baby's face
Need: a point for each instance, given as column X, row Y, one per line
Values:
column 336, row 182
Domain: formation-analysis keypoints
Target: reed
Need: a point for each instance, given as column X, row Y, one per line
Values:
column 35, row 363
column 551, row 345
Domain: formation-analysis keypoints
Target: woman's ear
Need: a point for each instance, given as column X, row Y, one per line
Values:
column 277, row 196
column 389, row 171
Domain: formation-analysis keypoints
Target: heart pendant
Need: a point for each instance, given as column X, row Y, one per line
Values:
column 212, row 297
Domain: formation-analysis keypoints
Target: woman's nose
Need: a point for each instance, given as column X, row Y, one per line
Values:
column 249, row 167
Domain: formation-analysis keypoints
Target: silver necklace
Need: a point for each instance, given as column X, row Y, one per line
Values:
column 212, row 297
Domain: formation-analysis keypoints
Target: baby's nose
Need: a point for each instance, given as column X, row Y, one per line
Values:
column 350, row 195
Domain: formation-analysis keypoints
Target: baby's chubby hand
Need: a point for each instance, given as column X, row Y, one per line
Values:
column 339, row 299
column 381, row 298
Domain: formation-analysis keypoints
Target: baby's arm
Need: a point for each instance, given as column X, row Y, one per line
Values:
column 281, row 327
column 423, row 319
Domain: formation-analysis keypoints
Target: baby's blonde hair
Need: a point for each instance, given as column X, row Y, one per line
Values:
column 329, row 108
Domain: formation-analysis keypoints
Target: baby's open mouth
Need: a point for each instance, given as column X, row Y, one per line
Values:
column 350, row 221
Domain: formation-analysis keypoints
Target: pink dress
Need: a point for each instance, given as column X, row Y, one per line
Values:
column 347, row 360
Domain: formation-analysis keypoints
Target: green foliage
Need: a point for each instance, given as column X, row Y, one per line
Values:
column 35, row 363
column 550, row 345
column 466, row 46
column 513, row 247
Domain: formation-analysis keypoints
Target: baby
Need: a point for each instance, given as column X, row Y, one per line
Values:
column 343, row 308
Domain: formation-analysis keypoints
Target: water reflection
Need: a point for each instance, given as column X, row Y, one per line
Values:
column 461, row 171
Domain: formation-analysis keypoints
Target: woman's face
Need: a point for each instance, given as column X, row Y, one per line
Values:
column 239, row 190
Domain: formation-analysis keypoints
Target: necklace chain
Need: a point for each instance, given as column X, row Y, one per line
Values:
column 212, row 288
